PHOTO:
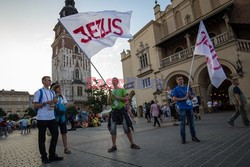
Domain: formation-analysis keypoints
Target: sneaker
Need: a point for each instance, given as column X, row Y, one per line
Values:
column 183, row 141
column 112, row 149
column 134, row 146
column 56, row 158
column 67, row 151
column 230, row 122
column 195, row 139
column 46, row 160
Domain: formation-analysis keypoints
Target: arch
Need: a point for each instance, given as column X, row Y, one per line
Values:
column 165, row 27
column 204, row 65
column 196, row 8
column 178, row 49
column 207, row 91
column 215, row 3
column 188, row 19
column 170, row 79
column 76, row 49
column 77, row 74
column 211, row 34
column 178, row 19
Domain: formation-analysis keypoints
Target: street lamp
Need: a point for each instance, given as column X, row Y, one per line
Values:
column 239, row 68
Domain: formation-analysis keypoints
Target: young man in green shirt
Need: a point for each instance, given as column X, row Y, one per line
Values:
column 118, row 115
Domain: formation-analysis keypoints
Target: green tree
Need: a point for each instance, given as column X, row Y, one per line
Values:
column 31, row 112
column 2, row 113
column 97, row 97
column 13, row 117
column 71, row 110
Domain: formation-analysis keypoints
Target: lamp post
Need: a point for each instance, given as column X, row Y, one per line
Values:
column 239, row 68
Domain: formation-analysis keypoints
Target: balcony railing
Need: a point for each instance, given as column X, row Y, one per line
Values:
column 243, row 45
column 184, row 54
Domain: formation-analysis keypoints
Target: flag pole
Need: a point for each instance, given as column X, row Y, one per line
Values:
column 84, row 54
column 189, row 77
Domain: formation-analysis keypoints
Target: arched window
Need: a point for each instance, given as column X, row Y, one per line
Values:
column 178, row 20
column 188, row 19
column 215, row 3
column 178, row 49
column 196, row 8
column 76, row 49
column 77, row 74
column 165, row 27
column 211, row 34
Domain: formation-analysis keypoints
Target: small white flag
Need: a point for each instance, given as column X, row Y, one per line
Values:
column 93, row 31
column 204, row 46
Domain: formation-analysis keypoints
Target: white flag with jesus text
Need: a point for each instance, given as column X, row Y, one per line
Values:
column 204, row 46
column 93, row 31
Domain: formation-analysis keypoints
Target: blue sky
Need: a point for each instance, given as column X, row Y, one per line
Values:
column 26, row 35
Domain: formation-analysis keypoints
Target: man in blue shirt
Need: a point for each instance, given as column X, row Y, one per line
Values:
column 184, row 105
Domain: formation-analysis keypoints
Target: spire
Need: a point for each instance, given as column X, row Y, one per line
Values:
column 68, row 9
column 156, row 2
column 70, row 3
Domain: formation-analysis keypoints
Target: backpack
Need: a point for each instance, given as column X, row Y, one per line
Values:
column 40, row 98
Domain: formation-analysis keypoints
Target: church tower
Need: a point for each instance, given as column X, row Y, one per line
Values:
column 70, row 67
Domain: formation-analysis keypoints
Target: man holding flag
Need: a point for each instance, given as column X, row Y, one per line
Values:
column 93, row 31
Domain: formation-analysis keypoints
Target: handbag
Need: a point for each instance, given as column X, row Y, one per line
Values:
column 60, row 108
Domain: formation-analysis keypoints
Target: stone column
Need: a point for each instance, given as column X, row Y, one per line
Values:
column 187, row 36
column 159, row 51
column 229, row 28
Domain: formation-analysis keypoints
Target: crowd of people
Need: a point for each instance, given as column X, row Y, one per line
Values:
column 182, row 105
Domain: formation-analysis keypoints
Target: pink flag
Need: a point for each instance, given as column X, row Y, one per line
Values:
column 204, row 46
column 93, row 31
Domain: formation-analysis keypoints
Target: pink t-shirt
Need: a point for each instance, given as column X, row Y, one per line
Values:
column 154, row 110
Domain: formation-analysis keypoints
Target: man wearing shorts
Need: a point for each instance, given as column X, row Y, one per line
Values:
column 118, row 115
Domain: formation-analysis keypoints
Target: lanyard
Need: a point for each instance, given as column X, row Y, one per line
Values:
column 183, row 91
column 47, row 95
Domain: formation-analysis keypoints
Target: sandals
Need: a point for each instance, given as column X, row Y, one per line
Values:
column 66, row 151
column 112, row 149
column 134, row 146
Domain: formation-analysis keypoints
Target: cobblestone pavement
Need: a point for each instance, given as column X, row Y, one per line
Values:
column 221, row 145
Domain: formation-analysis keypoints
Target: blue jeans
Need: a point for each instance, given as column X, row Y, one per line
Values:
column 190, row 115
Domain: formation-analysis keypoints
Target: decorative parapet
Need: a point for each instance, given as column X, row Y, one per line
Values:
column 243, row 45
column 217, row 41
column 125, row 54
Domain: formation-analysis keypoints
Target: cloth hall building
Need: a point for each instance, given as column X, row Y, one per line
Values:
column 163, row 49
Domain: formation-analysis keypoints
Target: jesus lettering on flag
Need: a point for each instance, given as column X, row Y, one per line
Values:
column 204, row 46
column 93, row 31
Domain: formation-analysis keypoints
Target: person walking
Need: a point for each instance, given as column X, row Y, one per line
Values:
column 182, row 96
column 147, row 112
column 119, row 115
column 238, row 99
column 24, row 123
column 196, row 108
column 60, row 114
column 44, row 102
column 154, row 110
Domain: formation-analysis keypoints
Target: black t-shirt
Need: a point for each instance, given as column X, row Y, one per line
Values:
column 237, row 90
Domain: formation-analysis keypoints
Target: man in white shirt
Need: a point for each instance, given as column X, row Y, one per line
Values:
column 44, row 102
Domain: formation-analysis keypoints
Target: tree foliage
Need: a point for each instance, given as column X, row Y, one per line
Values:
column 71, row 110
column 13, row 117
column 31, row 112
column 2, row 113
column 97, row 97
